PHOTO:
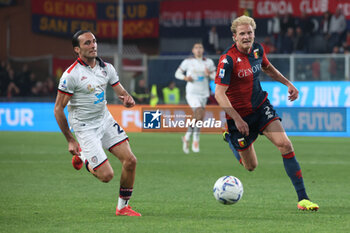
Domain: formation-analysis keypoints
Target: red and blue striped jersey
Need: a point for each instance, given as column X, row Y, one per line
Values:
column 240, row 73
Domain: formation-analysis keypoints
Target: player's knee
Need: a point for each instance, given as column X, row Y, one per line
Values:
column 107, row 176
column 285, row 145
column 251, row 166
column 130, row 163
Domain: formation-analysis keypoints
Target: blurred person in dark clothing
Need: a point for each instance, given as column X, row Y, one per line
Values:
column 22, row 80
column 288, row 43
column 141, row 93
column 4, row 79
column 12, row 88
column 287, row 21
column 300, row 41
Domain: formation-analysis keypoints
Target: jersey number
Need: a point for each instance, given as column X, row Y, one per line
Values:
column 118, row 128
column 268, row 112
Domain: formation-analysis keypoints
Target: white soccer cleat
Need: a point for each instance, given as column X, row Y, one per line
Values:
column 185, row 145
column 195, row 146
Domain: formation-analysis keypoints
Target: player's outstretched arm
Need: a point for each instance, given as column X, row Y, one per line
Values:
column 61, row 103
column 179, row 74
column 124, row 96
column 221, row 97
column 271, row 71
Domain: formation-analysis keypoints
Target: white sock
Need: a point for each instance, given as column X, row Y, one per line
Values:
column 122, row 203
column 188, row 133
column 196, row 132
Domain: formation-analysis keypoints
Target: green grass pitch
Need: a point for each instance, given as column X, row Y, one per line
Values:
column 41, row 192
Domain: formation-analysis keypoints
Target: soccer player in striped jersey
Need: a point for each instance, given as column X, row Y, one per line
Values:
column 82, row 88
column 196, row 71
column 248, row 110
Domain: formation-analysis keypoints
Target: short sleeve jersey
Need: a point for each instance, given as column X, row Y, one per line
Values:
column 87, row 88
column 196, row 69
column 240, row 73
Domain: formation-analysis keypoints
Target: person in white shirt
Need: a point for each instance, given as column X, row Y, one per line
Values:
column 337, row 29
column 196, row 71
column 82, row 88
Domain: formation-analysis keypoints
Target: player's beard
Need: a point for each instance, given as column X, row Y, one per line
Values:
column 90, row 56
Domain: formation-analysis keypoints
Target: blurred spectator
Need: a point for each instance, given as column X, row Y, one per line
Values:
column 23, row 79
column 50, row 86
column 306, row 26
column 268, row 46
column 333, row 70
column 287, row 22
column 300, row 72
column 325, row 24
column 274, row 28
column 337, row 29
column 4, row 79
column 141, row 93
column 38, row 89
column 171, row 94
column 335, row 50
column 12, row 88
column 305, row 23
column 213, row 41
column 316, row 70
column 300, row 41
column 288, row 44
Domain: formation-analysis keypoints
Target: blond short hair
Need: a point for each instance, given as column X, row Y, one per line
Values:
column 242, row 20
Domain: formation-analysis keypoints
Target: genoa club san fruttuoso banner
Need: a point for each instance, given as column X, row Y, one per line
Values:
column 64, row 18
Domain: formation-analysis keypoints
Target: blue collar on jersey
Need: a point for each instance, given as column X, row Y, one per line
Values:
column 100, row 61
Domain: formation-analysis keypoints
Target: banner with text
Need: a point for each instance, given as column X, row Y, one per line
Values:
column 311, row 94
column 269, row 8
column 195, row 18
column 64, row 18
column 297, row 121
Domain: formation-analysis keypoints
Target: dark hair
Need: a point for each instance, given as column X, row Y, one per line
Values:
column 75, row 41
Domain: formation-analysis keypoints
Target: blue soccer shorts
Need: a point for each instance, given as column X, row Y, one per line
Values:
column 256, row 121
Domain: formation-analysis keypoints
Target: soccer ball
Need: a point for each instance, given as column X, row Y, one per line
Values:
column 228, row 190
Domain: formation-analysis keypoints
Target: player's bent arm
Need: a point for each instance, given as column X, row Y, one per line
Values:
column 271, row 71
column 124, row 96
column 179, row 74
column 224, row 102
column 276, row 75
column 61, row 103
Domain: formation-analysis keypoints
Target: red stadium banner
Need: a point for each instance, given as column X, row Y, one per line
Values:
column 190, row 13
column 65, row 17
column 194, row 18
column 342, row 4
column 59, row 65
column 269, row 8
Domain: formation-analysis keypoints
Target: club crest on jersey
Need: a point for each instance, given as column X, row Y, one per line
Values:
column 90, row 88
column 238, row 60
column 256, row 55
column 222, row 73
column 94, row 159
column 104, row 73
column 242, row 142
